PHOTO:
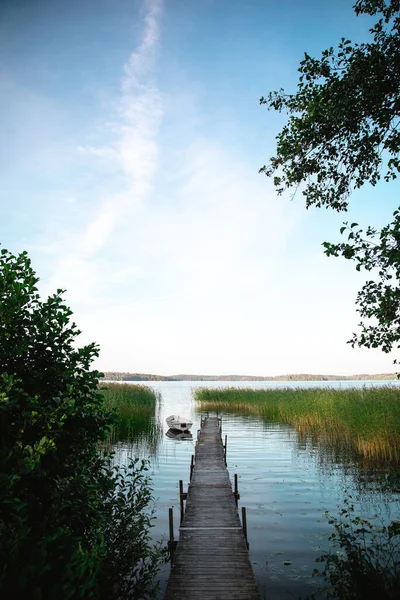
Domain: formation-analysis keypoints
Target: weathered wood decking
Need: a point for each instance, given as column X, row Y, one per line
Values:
column 211, row 560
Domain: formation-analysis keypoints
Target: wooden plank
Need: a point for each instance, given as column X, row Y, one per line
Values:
column 211, row 561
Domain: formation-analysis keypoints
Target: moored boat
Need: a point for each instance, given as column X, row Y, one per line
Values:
column 178, row 423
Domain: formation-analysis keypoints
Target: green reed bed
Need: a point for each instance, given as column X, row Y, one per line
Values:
column 135, row 407
column 129, row 398
column 367, row 420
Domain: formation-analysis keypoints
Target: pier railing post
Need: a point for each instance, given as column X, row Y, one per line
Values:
column 225, row 445
column 182, row 497
column 244, row 525
column 171, row 534
column 191, row 466
column 171, row 524
column 236, row 489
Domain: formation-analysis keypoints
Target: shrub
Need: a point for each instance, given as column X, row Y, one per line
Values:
column 67, row 516
column 367, row 561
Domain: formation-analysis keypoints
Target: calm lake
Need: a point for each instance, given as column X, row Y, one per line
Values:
column 286, row 484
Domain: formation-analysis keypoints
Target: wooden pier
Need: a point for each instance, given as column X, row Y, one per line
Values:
column 211, row 560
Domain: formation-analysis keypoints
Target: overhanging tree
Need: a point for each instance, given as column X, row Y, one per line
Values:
column 344, row 131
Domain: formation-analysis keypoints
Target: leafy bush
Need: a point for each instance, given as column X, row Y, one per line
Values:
column 367, row 562
column 71, row 524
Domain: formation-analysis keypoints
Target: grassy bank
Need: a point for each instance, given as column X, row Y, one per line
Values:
column 366, row 420
column 135, row 407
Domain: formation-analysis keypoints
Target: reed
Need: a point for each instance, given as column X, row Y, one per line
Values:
column 129, row 398
column 366, row 420
column 135, row 408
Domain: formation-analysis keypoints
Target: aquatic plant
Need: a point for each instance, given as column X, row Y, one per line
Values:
column 128, row 398
column 364, row 420
column 364, row 560
column 135, row 408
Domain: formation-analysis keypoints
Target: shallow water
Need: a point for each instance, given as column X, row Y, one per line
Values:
column 286, row 484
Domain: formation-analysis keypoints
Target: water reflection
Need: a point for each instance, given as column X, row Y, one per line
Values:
column 174, row 434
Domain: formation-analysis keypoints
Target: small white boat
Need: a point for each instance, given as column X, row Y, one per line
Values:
column 178, row 423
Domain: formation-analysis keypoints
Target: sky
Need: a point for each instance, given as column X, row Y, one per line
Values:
column 132, row 137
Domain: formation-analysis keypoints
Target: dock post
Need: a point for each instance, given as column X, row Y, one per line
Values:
column 171, row 534
column 236, row 489
column 181, row 498
column 244, row 525
column 191, row 466
column 226, row 443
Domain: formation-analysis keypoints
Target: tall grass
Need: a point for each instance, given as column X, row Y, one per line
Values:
column 135, row 407
column 129, row 398
column 365, row 420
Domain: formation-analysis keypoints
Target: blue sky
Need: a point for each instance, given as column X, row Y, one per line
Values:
column 132, row 138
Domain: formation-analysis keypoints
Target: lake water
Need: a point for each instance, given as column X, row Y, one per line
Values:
column 286, row 484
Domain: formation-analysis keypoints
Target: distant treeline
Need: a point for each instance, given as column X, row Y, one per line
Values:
column 117, row 376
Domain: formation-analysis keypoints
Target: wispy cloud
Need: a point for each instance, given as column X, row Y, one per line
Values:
column 132, row 150
column 140, row 111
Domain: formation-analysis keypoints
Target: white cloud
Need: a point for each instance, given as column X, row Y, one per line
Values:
column 100, row 229
column 99, row 152
column 140, row 111
column 133, row 152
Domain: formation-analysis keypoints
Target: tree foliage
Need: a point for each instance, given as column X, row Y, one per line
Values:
column 343, row 131
column 71, row 524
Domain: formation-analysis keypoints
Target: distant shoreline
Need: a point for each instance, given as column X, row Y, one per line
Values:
column 123, row 376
